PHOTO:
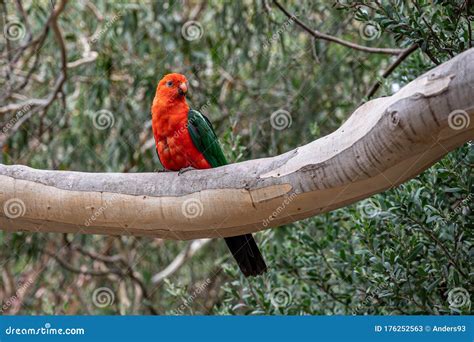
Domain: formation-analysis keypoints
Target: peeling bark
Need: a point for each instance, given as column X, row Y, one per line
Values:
column 384, row 143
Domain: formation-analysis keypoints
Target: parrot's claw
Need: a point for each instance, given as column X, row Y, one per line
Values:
column 186, row 169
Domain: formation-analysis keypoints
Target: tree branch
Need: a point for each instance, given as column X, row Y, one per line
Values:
column 126, row 271
column 46, row 102
column 385, row 142
column 407, row 52
column 180, row 260
column 320, row 35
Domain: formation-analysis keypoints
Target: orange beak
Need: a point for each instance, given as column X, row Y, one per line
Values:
column 183, row 89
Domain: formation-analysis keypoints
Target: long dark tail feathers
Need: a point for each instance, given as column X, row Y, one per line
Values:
column 246, row 253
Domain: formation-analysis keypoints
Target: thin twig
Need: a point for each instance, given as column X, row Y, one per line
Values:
column 88, row 55
column 146, row 294
column 439, row 243
column 468, row 15
column 407, row 52
column 24, row 15
column 180, row 260
column 74, row 269
column 99, row 257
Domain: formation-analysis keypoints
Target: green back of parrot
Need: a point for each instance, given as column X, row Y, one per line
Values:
column 205, row 139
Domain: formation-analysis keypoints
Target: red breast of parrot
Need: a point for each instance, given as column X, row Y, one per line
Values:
column 170, row 117
column 185, row 138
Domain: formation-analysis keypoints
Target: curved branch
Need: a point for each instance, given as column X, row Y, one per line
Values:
column 180, row 260
column 407, row 52
column 320, row 35
column 385, row 142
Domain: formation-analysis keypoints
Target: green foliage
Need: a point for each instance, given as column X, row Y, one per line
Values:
column 441, row 30
column 400, row 252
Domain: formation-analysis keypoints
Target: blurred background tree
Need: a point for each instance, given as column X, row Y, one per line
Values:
column 76, row 89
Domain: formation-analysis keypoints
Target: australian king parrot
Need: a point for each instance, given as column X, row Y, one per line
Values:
column 185, row 139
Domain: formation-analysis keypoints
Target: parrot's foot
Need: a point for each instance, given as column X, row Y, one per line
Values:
column 186, row 169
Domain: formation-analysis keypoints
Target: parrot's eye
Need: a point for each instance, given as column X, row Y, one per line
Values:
column 169, row 83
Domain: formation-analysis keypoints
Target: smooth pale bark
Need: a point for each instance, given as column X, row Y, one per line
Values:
column 385, row 142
